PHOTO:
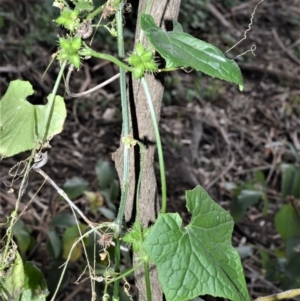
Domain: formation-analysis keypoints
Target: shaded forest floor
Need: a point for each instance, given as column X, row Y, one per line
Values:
column 212, row 134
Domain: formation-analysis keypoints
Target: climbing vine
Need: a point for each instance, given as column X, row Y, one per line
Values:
column 188, row 258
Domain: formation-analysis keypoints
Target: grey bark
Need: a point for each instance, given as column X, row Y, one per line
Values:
column 142, row 130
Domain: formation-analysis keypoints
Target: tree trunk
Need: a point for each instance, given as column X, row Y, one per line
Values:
column 142, row 130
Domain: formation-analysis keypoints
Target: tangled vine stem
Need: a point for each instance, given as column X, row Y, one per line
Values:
column 246, row 31
column 66, row 198
column 113, row 226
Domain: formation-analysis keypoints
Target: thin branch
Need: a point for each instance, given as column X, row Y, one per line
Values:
column 71, row 68
column 215, row 12
column 283, row 47
column 281, row 296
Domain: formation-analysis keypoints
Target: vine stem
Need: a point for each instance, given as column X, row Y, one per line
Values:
column 51, row 101
column 126, row 273
column 159, row 148
column 95, row 12
column 87, row 51
column 125, row 114
column 125, row 132
column 138, row 190
column 147, row 280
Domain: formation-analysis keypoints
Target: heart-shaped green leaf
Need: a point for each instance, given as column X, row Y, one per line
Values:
column 180, row 49
column 22, row 124
column 199, row 258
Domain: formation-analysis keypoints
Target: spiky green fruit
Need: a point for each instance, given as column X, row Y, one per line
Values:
column 65, row 44
column 134, row 60
column 138, row 72
column 139, row 49
column 76, row 43
column 75, row 60
column 151, row 66
column 147, row 56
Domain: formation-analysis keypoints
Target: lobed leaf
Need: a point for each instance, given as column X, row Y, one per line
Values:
column 199, row 258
